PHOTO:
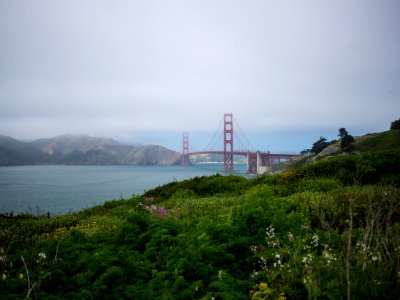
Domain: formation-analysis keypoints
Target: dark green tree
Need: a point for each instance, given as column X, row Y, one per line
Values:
column 342, row 132
column 395, row 125
column 346, row 140
column 319, row 145
column 305, row 151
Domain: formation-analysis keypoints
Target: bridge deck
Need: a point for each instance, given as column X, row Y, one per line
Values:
column 245, row 153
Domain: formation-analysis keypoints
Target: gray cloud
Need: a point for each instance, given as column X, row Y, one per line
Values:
column 151, row 69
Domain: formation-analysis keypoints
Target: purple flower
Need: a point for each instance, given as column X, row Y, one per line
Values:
column 162, row 211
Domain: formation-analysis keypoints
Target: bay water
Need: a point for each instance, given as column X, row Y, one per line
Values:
column 60, row 189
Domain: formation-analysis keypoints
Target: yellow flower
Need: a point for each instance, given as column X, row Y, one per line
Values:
column 4, row 277
column 21, row 276
column 263, row 286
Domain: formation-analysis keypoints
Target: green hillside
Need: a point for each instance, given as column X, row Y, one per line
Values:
column 375, row 142
column 379, row 141
column 328, row 229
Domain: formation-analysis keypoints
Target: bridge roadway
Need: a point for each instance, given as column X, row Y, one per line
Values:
column 257, row 162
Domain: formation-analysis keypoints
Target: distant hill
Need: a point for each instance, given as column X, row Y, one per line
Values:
column 82, row 150
column 14, row 152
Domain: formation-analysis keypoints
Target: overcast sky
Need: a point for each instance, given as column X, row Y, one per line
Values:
column 145, row 71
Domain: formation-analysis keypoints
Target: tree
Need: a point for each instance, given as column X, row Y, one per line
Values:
column 342, row 132
column 347, row 143
column 395, row 125
column 319, row 145
column 346, row 140
column 305, row 151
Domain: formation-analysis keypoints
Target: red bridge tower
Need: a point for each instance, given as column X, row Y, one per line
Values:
column 228, row 142
column 185, row 149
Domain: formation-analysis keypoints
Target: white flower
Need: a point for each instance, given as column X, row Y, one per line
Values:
column 42, row 255
column 315, row 240
column 277, row 256
column 308, row 258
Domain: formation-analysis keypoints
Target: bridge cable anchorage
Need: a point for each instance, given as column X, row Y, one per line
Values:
column 251, row 147
column 212, row 143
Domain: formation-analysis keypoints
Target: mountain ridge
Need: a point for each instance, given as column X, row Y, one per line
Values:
column 82, row 149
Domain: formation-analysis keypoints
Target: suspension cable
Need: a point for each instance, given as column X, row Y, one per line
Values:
column 251, row 147
column 212, row 142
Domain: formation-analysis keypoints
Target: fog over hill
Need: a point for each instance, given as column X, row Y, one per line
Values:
column 82, row 150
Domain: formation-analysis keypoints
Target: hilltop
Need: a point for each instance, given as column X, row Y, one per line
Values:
column 82, row 150
column 372, row 142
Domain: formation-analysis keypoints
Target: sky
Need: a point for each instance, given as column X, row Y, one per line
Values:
column 146, row 71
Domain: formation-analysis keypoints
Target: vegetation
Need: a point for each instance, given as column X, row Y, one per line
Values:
column 346, row 140
column 319, row 145
column 395, row 125
column 326, row 230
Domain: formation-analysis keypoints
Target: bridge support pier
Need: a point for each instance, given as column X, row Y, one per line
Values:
column 252, row 163
column 258, row 163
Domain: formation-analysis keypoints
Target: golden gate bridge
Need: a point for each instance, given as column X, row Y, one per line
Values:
column 257, row 162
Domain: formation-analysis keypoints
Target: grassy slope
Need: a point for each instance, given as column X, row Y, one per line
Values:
column 375, row 142
column 379, row 141
column 225, row 237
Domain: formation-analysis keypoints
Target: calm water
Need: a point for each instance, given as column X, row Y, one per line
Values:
column 63, row 189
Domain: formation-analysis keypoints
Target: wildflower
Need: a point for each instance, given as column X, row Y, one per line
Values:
column 270, row 231
column 305, row 226
column 290, row 236
column 21, row 276
column 374, row 258
column 263, row 262
column 277, row 256
column 314, row 240
column 308, row 258
column 42, row 255
column 220, row 274
column 162, row 211
column 328, row 256
column 4, row 277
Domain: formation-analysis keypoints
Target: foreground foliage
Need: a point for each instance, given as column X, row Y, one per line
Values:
column 330, row 230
